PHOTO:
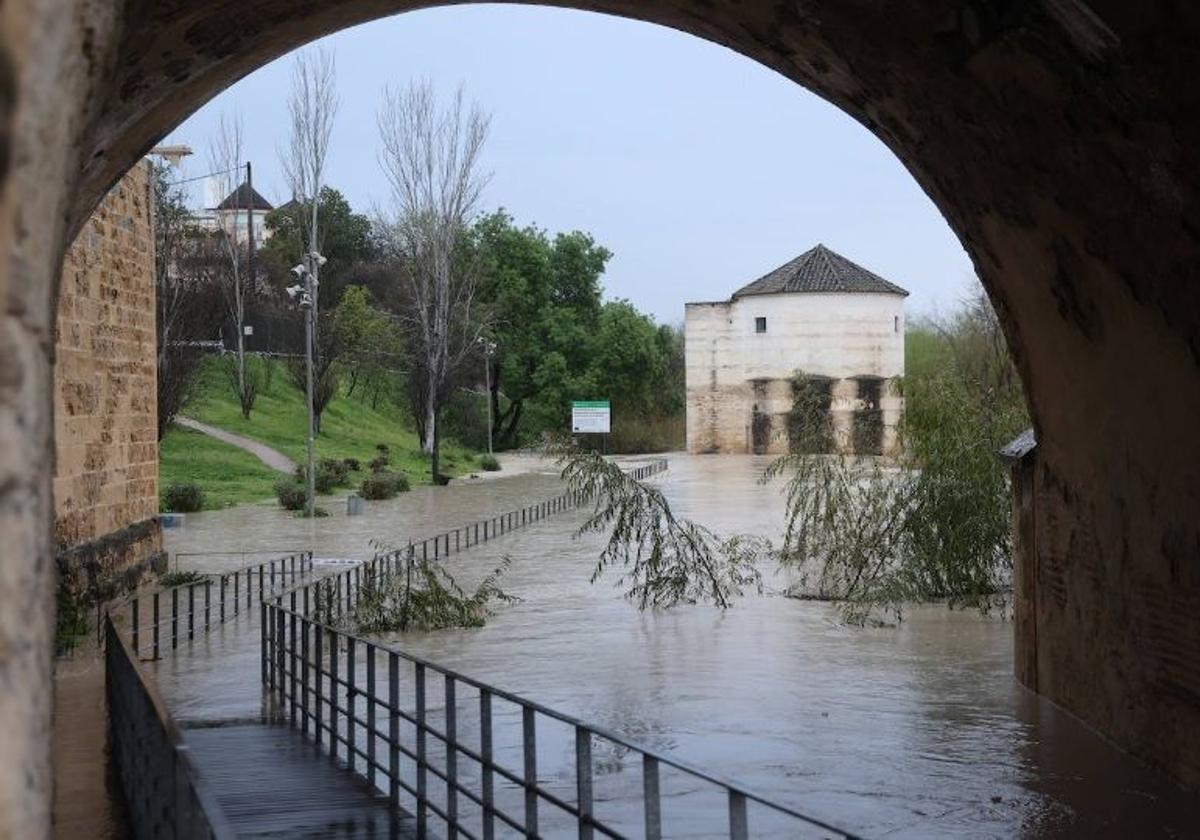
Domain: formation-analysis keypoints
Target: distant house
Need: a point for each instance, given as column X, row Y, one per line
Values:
column 243, row 206
column 837, row 322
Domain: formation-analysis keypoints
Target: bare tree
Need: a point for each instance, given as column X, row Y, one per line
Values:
column 312, row 106
column 431, row 157
column 185, row 312
column 225, row 158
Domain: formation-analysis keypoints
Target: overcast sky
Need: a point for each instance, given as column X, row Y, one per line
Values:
column 699, row 169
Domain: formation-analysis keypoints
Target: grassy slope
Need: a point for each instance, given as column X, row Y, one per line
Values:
column 350, row 428
column 226, row 474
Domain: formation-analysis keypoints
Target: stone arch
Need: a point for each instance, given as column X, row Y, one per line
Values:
column 1059, row 138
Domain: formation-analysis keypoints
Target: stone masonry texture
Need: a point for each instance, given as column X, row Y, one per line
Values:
column 105, row 430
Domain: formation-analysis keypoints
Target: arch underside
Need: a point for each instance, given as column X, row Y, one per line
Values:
column 1061, row 141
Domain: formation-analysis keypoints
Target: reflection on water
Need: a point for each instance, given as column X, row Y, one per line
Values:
column 918, row 730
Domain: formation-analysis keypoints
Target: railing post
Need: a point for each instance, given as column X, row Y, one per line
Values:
column 739, row 824
column 304, row 665
column 318, row 694
column 237, row 592
column 370, row 654
column 293, row 655
column 394, row 728
column 191, row 611
column 422, row 792
column 249, row 594
column 281, row 655
column 262, row 633
column 334, row 677
column 650, row 797
column 174, row 618
column 350, row 702
column 222, row 596
column 529, row 742
column 583, row 781
column 451, row 758
column 485, row 752
column 207, row 604
column 154, row 629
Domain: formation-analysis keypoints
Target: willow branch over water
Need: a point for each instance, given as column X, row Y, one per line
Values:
column 663, row 560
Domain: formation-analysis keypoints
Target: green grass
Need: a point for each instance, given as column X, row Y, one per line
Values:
column 350, row 428
column 226, row 474
column 924, row 352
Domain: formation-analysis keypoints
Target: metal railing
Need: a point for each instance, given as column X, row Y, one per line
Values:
column 165, row 795
column 345, row 693
column 177, row 614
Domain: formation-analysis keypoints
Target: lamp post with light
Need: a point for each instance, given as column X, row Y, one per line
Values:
column 307, row 272
column 489, row 350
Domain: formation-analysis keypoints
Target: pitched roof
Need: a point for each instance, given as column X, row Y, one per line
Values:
column 819, row 270
column 245, row 196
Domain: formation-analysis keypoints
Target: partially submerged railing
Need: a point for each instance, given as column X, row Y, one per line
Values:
column 170, row 616
column 344, row 692
column 165, row 795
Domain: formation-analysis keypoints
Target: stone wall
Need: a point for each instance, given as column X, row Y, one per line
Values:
column 739, row 381
column 105, row 406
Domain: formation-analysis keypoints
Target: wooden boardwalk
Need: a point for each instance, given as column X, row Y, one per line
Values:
column 271, row 782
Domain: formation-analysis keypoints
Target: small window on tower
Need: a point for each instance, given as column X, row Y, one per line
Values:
column 896, row 323
column 760, row 325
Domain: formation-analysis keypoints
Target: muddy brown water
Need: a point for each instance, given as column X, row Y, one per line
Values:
column 917, row 730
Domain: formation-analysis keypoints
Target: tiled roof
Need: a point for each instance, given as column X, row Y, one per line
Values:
column 242, row 197
column 819, row 270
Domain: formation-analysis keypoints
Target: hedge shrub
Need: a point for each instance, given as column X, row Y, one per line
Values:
column 183, row 498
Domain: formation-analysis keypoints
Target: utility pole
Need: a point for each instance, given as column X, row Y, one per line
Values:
column 310, row 293
column 489, row 349
column 250, row 225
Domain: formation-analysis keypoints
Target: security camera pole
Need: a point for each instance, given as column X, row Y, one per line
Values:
column 308, row 296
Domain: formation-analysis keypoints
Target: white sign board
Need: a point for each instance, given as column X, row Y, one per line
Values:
column 591, row 417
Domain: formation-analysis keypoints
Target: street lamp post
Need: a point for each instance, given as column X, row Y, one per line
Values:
column 489, row 349
column 307, row 271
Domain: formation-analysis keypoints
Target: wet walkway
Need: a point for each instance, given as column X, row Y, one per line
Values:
column 271, row 782
column 273, row 458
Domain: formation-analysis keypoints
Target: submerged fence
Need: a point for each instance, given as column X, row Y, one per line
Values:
column 465, row 762
column 165, row 795
column 168, row 616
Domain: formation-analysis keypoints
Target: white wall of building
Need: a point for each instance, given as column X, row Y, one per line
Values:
column 734, row 371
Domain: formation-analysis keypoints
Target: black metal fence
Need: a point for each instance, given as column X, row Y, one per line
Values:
column 165, row 796
column 166, row 617
column 370, row 706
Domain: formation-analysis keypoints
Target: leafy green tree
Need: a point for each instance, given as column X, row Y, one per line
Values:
column 544, row 301
column 369, row 340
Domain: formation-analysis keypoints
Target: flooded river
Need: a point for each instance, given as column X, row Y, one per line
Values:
column 915, row 731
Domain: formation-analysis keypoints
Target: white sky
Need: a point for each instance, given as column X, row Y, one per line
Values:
column 699, row 169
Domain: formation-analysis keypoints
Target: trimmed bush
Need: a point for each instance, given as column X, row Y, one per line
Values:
column 183, row 498
column 337, row 469
column 292, row 494
column 318, row 513
column 331, row 473
column 379, row 463
column 383, row 485
column 351, row 464
column 489, row 463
